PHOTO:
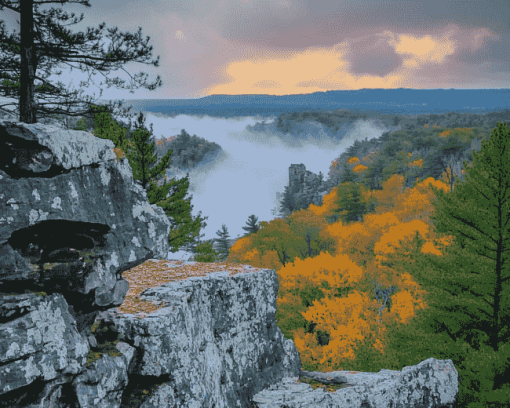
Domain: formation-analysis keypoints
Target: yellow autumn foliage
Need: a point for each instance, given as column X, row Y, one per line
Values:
column 363, row 252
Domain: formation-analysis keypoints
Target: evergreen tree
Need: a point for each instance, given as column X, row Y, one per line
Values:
column 140, row 153
column 468, row 286
column 252, row 225
column 347, row 175
column 223, row 243
column 43, row 43
column 195, row 242
column 204, row 252
column 287, row 204
column 107, row 128
column 350, row 204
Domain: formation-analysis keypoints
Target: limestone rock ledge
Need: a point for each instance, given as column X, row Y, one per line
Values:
column 214, row 342
column 431, row 383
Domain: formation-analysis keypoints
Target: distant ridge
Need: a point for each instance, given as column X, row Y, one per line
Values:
column 397, row 101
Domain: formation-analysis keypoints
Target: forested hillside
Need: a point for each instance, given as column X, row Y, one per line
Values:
column 419, row 150
column 334, row 119
column 368, row 282
column 187, row 151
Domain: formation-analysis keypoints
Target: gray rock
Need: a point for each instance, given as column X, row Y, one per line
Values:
column 92, row 341
column 71, row 221
column 306, row 186
column 38, row 340
column 430, row 384
column 215, row 343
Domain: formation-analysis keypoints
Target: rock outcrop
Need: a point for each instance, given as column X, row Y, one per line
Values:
column 432, row 383
column 305, row 187
column 214, row 342
column 93, row 315
column 71, row 221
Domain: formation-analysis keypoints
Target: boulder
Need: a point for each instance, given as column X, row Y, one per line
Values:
column 429, row 384
column 71, row 221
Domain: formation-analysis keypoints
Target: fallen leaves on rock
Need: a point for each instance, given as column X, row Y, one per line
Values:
column 154, row 272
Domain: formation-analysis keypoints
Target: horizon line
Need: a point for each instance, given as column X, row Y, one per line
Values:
column 310, row 93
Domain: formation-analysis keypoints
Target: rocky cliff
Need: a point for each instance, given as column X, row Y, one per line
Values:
column 93, row 315
column 73, row 227
column 305, row 187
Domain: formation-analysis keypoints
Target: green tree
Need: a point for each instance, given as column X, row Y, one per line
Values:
column 193, row 244
column 223, row 243
column 107, row 128
column 32, row 49
column 350, row 204
column 468, row 287
column 288, row 204
column 252, row 225
column 347, row 175
column 308, row 227
column 141, row 157
column 278, row 236
column 204, row 252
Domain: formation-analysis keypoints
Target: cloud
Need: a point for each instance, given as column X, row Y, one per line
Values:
column 311, row 46
column 385, row 60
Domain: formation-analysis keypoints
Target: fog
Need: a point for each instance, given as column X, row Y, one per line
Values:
column 254, row 165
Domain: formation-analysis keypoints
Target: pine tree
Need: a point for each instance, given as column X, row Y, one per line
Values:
column 43, row 43
column 204, row 252
column 107, row 128
column 140, row 153
column 252, row 225
column 287, row 204
column 350, row 204
column 347, row 175
column 194, row 243
column 223, row 243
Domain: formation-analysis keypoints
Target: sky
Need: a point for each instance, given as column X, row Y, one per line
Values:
column 283, row 47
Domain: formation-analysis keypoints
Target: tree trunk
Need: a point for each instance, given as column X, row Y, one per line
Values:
column 27, row 108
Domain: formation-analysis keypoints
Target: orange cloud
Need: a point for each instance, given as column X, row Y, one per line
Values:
column 318, row 69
